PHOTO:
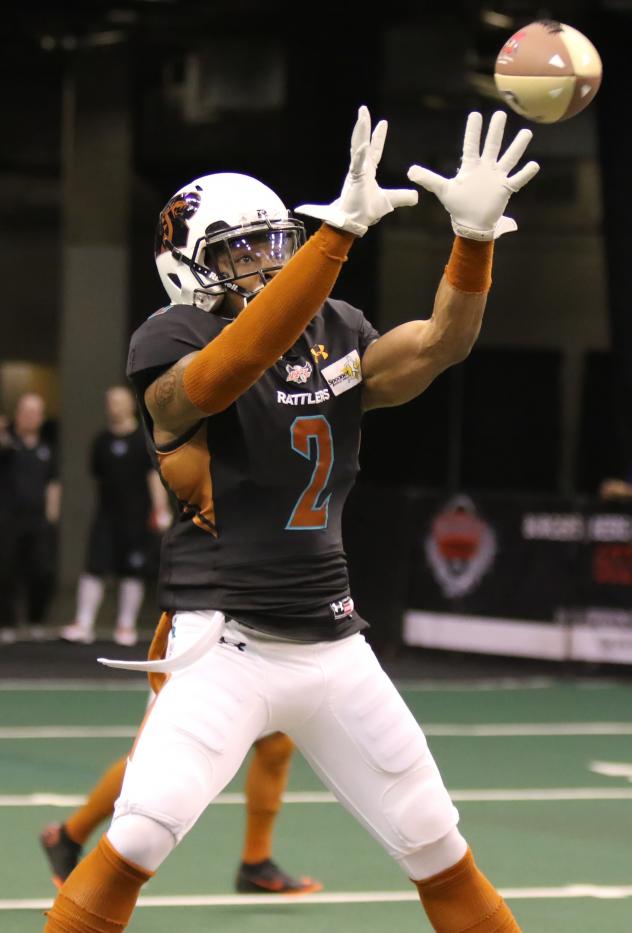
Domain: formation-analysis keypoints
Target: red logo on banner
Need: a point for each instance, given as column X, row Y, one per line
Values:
column 612, row 564
column 460, row 548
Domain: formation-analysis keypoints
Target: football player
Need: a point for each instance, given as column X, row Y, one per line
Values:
column 257, row 437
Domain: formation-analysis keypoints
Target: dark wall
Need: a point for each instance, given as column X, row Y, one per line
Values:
column 277, row 99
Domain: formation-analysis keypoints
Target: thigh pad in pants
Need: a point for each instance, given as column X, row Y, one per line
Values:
column 407, row 805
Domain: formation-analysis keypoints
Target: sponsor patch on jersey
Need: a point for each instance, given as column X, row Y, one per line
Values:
column 342, row 608
column 298, row 372
column 344, row 374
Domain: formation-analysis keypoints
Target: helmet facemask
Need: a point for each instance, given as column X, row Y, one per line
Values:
column 243, row 259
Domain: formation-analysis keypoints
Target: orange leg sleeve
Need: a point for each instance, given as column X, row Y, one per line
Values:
column 269, row 325
column 100, row 894
column 267, row 779
column 461, row 899
column 99, row 805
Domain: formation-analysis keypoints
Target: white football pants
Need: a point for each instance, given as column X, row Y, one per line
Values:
column 333, row 699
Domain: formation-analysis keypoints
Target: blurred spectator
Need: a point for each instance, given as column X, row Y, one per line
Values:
column 132, row 506
column 30, row 496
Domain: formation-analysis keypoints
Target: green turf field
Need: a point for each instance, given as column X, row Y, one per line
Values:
column 541, row 773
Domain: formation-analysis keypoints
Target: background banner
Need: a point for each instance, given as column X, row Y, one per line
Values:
column 538, row 577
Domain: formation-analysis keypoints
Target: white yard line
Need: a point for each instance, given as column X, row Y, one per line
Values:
column 528, row 728
column 477, row 684
column 43, row 799
column 456, row 730
column 53, row 686
column 339, row 897
column 543, row 794
column 68, row 732
column 413, row 685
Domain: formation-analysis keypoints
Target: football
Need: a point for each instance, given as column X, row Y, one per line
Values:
column 547, row 72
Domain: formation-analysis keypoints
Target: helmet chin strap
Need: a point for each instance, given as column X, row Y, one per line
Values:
column 246, row 293
column 209, row 302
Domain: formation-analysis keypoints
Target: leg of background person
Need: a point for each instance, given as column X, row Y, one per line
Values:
column 90, row 591
column 91, row 585
column 8, row 578
column 21, row 572
column 130, row 599
column 63, row 842
column 265, row 784
column 40, row 575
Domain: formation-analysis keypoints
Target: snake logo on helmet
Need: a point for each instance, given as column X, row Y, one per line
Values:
column 218, row 231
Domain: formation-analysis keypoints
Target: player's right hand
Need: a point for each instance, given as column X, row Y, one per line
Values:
column 362, row 202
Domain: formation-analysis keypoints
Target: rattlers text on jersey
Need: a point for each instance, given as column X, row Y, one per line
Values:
column 261, row 486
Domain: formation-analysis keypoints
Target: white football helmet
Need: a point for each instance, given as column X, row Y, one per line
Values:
column 219, row 229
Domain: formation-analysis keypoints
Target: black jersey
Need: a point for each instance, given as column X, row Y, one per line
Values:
column 261, row 486
column 120, row 464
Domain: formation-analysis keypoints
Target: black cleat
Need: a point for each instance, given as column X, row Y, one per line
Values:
column 62, row 852
column 267, row 878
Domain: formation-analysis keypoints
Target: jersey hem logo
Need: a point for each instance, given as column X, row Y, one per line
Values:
column 342, row 608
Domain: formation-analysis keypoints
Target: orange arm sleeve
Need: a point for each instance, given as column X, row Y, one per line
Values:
column 470, row 265
column 269, row 325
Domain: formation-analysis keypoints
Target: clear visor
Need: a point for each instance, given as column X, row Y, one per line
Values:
column 258, row 253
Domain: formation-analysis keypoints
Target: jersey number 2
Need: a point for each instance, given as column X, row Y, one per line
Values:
column 312, row 439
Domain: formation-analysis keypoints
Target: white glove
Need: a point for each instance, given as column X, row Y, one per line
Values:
column 477, row 196
column 362, row 202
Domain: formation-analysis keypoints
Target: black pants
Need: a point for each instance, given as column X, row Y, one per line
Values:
column 119, row 546
column 27, row 569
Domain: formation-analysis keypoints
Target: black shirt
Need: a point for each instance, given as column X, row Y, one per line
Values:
column 120, row 464
column 261, row 486
column 29, row 471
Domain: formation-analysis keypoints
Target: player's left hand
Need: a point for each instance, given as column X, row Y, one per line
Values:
column 478, row 194
column 362, row 202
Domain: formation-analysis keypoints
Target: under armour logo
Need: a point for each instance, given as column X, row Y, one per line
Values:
column 240, row 645
column 319, row 351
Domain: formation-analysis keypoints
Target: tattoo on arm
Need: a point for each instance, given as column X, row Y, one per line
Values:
column 168, row 403
column 165, row 389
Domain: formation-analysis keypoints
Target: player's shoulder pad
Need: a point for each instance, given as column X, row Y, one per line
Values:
column 349, row 316
column 169, row 334
column 344, row 312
